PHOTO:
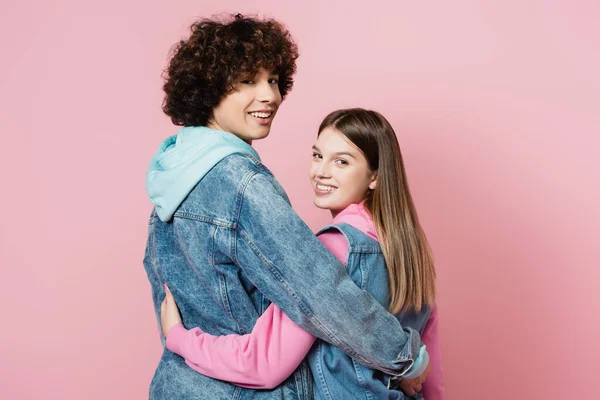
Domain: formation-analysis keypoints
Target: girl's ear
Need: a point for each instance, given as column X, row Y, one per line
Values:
column 373, row 183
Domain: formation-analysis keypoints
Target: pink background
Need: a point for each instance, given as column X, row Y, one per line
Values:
column 497, row 109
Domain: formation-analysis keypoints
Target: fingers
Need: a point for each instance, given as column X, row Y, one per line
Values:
column 414, row 389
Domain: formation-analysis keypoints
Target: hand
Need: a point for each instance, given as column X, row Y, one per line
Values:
column 169, row 313
column 410, row 387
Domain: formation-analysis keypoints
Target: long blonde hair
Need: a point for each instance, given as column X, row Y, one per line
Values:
column 403, row 242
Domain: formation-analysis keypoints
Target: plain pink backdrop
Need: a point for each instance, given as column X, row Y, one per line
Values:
column 497, row 109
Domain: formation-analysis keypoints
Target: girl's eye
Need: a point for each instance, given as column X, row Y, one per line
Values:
column 273, row 81
column 341, row 161
column 317, row 155
column 247, row 81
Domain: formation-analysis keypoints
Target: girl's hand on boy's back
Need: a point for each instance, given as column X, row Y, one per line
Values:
column 412, row 386
column 169, row 313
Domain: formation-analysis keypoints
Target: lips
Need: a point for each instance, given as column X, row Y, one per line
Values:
column 261, row 114
column 323, row 189
column 262, row 117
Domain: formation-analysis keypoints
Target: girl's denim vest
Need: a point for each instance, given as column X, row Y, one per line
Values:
column 336, row 375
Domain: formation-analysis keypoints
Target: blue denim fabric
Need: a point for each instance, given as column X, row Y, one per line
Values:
column 234, row 245
column 338, row 376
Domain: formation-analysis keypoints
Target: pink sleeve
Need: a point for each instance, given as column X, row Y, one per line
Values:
column 433, row 387
column 261, row 359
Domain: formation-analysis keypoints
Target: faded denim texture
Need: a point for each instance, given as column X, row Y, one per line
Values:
column 233, row 246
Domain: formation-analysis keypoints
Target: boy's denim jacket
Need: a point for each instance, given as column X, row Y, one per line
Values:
column 234, row 245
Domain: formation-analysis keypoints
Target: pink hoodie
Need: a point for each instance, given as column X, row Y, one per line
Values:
column 276, row 346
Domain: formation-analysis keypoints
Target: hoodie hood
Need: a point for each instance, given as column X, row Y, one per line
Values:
column 183, row 160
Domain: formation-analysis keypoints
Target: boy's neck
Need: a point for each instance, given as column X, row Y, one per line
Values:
column 216, row 127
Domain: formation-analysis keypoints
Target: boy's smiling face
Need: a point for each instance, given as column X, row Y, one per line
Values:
column 249, row 109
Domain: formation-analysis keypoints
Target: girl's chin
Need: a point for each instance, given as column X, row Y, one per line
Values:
column 318, row 204
column 326, row 205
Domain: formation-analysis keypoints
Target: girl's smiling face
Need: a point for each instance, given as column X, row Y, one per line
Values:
column 339, row 173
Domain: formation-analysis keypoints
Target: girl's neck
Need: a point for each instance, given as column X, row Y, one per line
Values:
column 335, row 213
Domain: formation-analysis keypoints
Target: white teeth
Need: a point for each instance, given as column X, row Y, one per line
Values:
column 327, row 188
column 261, row 114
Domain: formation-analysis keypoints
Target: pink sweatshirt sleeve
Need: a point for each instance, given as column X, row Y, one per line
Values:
column 261, row 359
column 433, row 387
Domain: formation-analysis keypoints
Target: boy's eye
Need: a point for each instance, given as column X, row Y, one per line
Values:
column 247, row 81
column 317, row 155
column 273, row 80
column 341, row 161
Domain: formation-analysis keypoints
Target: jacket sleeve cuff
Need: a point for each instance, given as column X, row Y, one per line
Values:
column 175, row 338
column 419, row 365
column 405, row 360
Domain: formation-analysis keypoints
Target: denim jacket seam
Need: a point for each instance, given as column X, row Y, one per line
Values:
column 239, row 201
column 298, row 381
column 152, row 250
column 320, row 370
column 201, row 218
column 364, row 275
column 361, row 381
column 364, row 249
column 237, row 393
column 222, row 282
column 359, row 265
column 256, row 161
column 225, row 301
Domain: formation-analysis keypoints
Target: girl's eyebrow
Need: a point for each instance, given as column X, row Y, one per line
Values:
column 339, row 153
column 344, row 153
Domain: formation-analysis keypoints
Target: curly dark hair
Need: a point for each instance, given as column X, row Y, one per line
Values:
column 205, row 67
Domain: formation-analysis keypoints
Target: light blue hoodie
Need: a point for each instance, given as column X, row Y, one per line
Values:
column 182, row 161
